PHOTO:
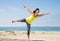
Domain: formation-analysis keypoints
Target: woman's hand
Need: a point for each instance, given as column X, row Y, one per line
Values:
column 24, row 6
column 48, row 13
column 27, row 9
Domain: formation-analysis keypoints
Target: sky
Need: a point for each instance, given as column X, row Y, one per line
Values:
column 13, row 10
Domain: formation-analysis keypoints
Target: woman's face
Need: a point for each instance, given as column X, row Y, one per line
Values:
column 37, row 11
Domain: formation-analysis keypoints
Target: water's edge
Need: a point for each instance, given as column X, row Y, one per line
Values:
column 32, row 28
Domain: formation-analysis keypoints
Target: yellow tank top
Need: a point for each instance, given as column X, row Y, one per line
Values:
column 30, row 19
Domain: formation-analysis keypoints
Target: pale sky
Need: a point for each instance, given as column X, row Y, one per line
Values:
column 13, row 10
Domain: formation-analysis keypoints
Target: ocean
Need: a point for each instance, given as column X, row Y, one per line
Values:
column 32, row 29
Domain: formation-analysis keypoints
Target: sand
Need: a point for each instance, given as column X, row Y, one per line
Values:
column 35, row 36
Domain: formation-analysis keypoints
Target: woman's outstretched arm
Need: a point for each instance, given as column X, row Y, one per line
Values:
column 40, row 15
column 27, row 9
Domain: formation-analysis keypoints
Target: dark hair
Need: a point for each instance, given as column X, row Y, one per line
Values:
column 35, row 10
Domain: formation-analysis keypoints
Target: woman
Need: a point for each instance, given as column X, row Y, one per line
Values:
column 34, row 15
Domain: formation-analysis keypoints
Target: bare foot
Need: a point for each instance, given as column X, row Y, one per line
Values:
column 13, row 21
column 28, row 39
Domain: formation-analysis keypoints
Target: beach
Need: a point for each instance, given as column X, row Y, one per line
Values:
column 22, row 36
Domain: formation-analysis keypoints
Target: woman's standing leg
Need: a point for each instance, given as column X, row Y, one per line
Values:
column 28, row 30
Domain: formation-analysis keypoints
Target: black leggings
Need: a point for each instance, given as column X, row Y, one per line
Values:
column 28, row 26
